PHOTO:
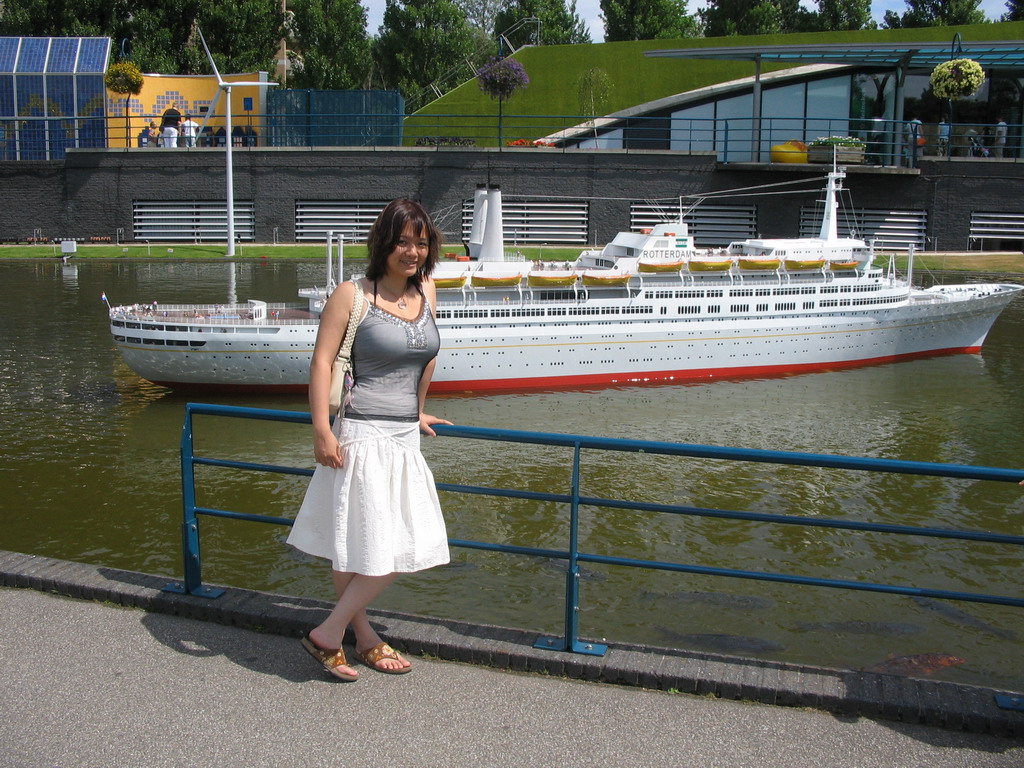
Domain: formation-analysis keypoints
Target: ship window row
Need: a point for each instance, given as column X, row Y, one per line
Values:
column 878, row 300
column 872, row 287
column 594, row 311
column 637, row 310
column 689, row 310
column 807, row 289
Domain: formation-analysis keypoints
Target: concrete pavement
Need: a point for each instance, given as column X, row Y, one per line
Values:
column 88, row 683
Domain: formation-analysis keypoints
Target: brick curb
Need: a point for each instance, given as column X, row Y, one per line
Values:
column 842, row 692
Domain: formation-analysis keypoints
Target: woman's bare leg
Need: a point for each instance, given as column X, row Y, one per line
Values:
column 355, row 592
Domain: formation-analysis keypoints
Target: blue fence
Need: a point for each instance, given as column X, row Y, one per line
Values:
column 573, row 557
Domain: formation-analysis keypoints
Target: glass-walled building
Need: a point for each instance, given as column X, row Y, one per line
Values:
column 52, row 95
column 876, row 97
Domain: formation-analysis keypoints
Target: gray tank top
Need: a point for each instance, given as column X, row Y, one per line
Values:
column 388, row 358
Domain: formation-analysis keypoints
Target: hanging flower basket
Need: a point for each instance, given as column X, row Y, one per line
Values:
column 957, row 79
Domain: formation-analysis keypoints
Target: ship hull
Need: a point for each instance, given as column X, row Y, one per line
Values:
column 492, row 351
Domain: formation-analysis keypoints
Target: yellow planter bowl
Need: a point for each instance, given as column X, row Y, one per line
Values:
column 790, row 152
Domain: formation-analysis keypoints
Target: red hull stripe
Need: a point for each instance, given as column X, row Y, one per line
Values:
column 270, row 389
column 662, row 377
column 590, row 380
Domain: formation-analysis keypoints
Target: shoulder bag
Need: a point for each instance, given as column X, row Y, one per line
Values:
column 341, row 371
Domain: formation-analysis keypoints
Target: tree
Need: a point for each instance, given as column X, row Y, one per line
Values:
column 46, row 18
column 246, row 33
column 559, row 23
column 332, row 47
column 936, row 13
column 243, row 34
column 125, row 78
column 646, row 20
column 839, row 15
column 422, row 42
column 757, row 17
column 1015, row 11
column 480, row 14
column 592, row 90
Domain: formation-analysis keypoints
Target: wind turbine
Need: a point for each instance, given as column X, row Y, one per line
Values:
column 229, row 172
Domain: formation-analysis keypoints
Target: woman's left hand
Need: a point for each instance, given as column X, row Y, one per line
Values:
column 426, row 420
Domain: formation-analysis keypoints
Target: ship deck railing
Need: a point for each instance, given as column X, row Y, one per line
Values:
column 577, row 503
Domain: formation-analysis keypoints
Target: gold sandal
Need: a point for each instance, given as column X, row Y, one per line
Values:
column 371, row 656
column 330, row 660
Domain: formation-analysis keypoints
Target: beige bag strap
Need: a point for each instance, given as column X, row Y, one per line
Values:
column 345, row 352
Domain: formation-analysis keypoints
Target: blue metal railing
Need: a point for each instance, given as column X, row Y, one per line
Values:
column 736, row 139
column 192, row 583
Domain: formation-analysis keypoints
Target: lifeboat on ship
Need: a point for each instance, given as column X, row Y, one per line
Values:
column 843, row 266
column 654, row 266
column 803, row 265
column 551, row 278
column 498, row 280
column 709, row 265
column 764, row 265
column 599, row 278
column 457, row 281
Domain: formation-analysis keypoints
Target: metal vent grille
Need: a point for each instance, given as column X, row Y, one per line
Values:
column 315, row 218
column 192, row 221
column 892, row 230
column 996, row 226
column 538, row 221
column 710, row 225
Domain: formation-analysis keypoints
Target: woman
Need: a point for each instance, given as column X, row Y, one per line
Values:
column 371, row 507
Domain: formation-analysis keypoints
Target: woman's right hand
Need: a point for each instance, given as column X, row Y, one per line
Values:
column 327, row 449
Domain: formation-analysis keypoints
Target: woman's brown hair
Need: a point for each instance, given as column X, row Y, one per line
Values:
column 387, row 230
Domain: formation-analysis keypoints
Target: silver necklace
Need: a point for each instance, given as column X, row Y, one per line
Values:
column 400, row 301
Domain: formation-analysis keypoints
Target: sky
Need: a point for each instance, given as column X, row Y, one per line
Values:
column 590, row 12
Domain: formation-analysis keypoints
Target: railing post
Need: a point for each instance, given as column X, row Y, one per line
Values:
column 193, row 582
column 570, row 641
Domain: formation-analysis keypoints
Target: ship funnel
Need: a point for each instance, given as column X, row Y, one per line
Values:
column 476, row 232
column 494, row 232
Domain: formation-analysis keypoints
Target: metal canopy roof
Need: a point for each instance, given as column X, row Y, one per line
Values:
column 999, row 54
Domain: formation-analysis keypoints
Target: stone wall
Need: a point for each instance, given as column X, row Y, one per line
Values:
column 92, row 192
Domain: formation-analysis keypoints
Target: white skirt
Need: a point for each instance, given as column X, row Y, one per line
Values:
column 379, row 513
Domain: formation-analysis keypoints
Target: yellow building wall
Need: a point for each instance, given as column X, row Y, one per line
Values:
column 190, row 95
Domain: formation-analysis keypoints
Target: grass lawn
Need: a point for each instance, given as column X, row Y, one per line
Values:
column 1008, row 262
column 254, row 251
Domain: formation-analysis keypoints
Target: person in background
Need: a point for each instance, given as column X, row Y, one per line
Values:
column 943, row 137
column 911, row 133
column 148, row 136
column 189, row 131
column 169, row 136
column 999, row 138
column 371, row 507
column 171, row 118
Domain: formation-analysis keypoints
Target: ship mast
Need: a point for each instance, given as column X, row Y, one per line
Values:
column 830, row 218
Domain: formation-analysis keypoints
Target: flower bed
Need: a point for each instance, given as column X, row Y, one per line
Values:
column 844, row 149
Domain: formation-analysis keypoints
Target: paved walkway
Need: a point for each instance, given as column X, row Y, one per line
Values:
column 87, row 683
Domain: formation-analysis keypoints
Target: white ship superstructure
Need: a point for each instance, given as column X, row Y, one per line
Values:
column 649, row 307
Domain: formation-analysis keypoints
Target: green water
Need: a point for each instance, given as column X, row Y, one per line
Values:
column 90, row 472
